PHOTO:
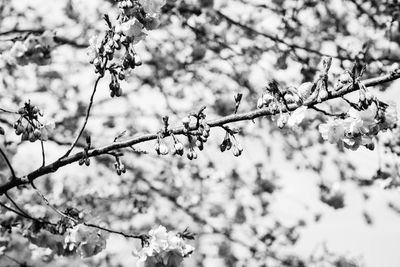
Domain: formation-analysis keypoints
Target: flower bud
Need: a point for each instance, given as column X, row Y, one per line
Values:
column 259, row 103
column 322, row 95
column 37, row 133
column 345, row 78
column 185, row 122
column 304, row 90
column 178, row 146
column 236, row 152
column 163, row 149
column 32, row 137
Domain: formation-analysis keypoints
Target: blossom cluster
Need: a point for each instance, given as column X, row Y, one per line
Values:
column 163, row 249
column 195, row 140
column 85, row 240
column 29, row 126
column 360, row 126
column 34, row 49
column 135, row 17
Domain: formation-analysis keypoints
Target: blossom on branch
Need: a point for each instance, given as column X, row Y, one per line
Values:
column 163, row 249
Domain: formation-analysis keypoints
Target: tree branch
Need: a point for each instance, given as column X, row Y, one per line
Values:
column 251, row 115
column 58, row 39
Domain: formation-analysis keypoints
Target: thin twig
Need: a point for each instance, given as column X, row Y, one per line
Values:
column 43, row 154
column 17, row 207
column 86, row 119
column 340, row 115
column 8, row 111
column 13, row 210
column 21, row 264
column 8, row 163
column 76, row 221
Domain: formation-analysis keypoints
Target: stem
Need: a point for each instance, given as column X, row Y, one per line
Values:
column 43, row 154
column 86, row 119
column 8, row 163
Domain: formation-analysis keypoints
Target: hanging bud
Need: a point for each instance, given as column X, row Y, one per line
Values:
column 163, row 150
column 37, row 133
column 178, row 146
column 345, row 78
column 304, row 90
column 259, row 103
column 186, row 122
column 323, row 94
column 236, row 152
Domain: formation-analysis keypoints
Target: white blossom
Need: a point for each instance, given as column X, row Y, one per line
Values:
column 164, row 249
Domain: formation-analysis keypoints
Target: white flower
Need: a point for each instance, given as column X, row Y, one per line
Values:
column 46, row 129
column 131, row 28
column 152, row 6
column 304, row 90
column 297, row 116
column 94, row 46
column 390, row 117
column 282, row 120
column 18, row 49
column 164, row 249
column 332, row 131
column 159, row 238
column 89, row 241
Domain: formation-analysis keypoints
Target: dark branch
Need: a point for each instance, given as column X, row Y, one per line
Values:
column 251, row 115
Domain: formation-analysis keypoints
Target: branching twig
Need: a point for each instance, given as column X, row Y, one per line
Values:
column 76, row 221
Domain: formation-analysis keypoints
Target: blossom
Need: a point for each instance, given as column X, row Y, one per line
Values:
column 304, row 90
column 46, row 129
column 88, row 241
column 152, row 6
column 164, row 249
column 297, row 116
column 332, row 131
column 390, row 117
column 94, row 47
column 133, row 29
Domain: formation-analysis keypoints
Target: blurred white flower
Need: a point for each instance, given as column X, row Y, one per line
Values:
column 46, row 130
column 88, row 241
column 164, row 249
column 297, row 116
column 332, row 131
column 152, row 6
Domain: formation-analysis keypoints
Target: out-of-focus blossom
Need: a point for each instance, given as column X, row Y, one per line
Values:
column 46, row 130
column 88, row 241
column 360, row 126
column 164, row 249
column 152, row 6
column 332, row 131
column 297, row 116
column 131, row 28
